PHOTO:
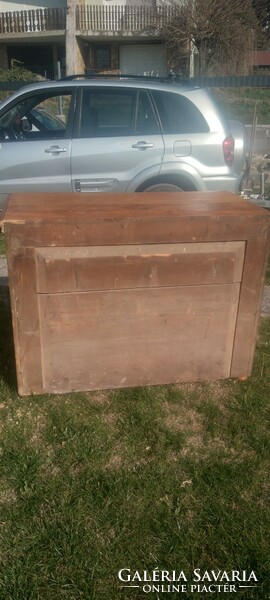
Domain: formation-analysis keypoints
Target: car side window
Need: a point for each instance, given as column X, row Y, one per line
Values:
column 178, row 114
column 116, row 112
column 38, row 117
column 146, row 121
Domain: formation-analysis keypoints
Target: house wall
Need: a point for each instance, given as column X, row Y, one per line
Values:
column 79, row 52
column 12, row 5
column 6, row 6
column 122, row 2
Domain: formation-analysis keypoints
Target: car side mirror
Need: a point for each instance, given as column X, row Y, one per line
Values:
column 26, row 125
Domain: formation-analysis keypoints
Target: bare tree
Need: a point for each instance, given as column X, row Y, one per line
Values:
column 219, row 34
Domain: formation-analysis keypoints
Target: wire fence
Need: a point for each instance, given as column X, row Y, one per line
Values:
column 231, row 81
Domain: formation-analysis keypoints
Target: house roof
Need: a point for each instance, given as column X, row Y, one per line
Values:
column 261, row 58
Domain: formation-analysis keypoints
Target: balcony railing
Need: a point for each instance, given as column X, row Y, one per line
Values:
column 136, row 19
column 89, row 18
column 25, row 21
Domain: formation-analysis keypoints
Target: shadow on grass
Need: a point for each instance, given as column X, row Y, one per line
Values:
column 7, row 355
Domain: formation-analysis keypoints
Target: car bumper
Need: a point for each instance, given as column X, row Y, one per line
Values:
column 223, row 184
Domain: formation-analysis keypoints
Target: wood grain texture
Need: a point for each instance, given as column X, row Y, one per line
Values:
column 25, row 317
column 152, row 265
column 133, row 289
column 137, row 337
column 46, row 207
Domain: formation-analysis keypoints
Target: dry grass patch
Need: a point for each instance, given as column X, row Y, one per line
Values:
column 110, row 418
column 115, row 462
column 187, row 422
column 99, row 397
column 7, row 494
column 38, row 425
column 182, row 418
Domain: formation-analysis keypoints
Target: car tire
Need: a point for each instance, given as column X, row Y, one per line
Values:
column 163, row 187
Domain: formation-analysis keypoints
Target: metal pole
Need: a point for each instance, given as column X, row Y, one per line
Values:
column 60, row 97
column 262, row 181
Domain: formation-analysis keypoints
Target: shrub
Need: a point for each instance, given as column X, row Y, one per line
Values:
column 17, row 74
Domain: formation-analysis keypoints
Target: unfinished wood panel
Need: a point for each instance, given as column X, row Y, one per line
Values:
column 25, row 318
column 62, row 207
column 136, row 337
column 257, row 252
column 152, row 265
column 76, row 220
column 143, row 229
column 132, row 289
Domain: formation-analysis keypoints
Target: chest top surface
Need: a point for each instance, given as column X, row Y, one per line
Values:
column 78, row 219
column 33, row 207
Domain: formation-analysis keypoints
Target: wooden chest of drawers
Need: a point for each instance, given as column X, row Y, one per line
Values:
column 133, row 289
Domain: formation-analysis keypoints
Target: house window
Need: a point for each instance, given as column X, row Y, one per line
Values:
column 102, row 57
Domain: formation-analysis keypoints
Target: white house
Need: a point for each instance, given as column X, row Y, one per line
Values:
column 105, row 35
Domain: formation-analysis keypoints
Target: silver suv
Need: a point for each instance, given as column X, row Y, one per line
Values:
column 117, row 135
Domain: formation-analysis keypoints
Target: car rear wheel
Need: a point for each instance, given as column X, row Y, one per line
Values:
column 163, row 187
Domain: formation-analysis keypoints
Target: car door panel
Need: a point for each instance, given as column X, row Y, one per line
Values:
column 118, row 138
column 35, row 143
column 110, row 164
column 26, row 166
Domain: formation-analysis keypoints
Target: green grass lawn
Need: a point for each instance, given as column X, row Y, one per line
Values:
column 167, row 477
column 239, row 103
column 2, row 245
column 267, row 277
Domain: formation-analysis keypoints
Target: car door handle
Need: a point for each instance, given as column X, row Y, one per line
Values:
column 54, row 150
column 142, row 145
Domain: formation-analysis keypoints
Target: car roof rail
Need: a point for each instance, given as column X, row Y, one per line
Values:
column 92, row 74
